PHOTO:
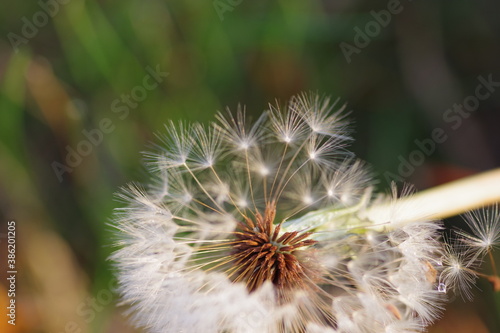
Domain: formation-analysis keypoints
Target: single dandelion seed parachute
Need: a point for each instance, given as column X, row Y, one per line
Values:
column 485, row 228
column 460, row 269
column 256, row 227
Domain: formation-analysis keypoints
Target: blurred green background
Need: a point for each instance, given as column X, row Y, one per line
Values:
column 79, row 103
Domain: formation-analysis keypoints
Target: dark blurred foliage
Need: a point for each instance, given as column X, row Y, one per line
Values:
column 66, row 72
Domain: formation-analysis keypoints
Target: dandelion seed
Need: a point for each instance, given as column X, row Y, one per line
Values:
column 317, row 113
column 288, row 127
column 205, row 145
column 237, row 132
column 181, row 143
column 460, row 269
column 485, row 228
column 258, row 228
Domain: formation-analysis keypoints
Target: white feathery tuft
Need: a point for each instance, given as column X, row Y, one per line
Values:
column 259, row 227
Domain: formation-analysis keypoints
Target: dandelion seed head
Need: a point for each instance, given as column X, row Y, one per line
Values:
column 255, row 226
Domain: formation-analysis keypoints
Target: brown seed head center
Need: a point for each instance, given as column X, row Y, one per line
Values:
column 261, row 254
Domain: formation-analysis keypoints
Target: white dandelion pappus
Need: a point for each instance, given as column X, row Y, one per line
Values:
column 461, row 265
column 254, row 227
column 485, row 229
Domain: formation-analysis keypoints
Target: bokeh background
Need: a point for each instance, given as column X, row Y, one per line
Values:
column 67, row 68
